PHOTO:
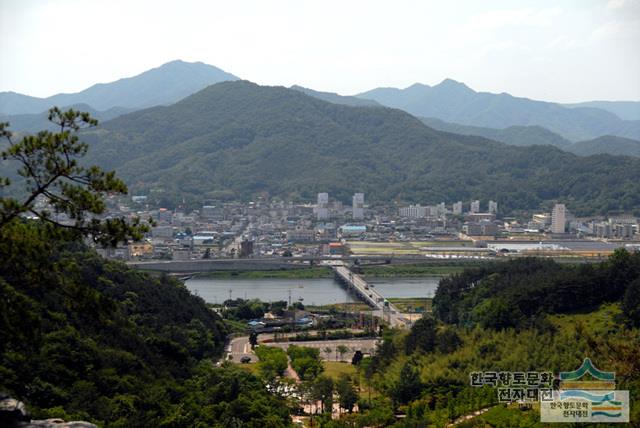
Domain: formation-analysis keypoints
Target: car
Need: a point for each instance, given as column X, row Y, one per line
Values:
column 245, row 360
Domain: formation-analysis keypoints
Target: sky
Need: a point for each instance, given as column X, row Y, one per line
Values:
column 562, row 50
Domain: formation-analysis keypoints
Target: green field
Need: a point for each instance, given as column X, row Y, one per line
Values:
column 416, row 270
column 411, row 305
column 334, row 369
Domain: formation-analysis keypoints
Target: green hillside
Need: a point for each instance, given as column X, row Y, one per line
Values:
column 513, row 135
column 568, row 313
column 83, row 338
column 607, row 144
column 238, row 139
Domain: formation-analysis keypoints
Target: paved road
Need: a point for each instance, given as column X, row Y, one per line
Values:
column 240, row 347
column 371, row 296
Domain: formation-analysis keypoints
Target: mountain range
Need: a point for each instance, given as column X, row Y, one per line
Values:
column 238, row 140
column 450, row 106
column 159, row 86
column 455, row 102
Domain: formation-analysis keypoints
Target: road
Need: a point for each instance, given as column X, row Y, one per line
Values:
column 240, row 347
column 372, row 297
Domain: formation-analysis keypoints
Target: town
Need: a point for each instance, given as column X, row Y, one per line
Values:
column 327, row 228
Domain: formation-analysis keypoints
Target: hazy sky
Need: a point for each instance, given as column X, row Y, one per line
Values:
column 551, row 50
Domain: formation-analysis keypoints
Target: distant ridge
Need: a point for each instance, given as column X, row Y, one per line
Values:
column 627, row 110
column 159, row 86
column 513, row 135
column 455, row 102
column 336, row 98
column 609, row 144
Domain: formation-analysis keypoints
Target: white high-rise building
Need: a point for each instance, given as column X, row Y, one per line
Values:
column 493, row 207
column 457, row 208
column 558, row 218
column 322, row 207
column 358, row 206
column 475, row 206
column 413, row 211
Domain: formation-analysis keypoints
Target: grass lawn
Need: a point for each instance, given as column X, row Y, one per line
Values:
column 415, row 270
column 599, row 321
column 251, row 367
column 342, row 307
column 334, row 369
column 411, row 305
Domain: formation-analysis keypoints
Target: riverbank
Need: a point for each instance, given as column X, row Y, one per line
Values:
column 378, row 271
column 309, row 273
column 417, row 270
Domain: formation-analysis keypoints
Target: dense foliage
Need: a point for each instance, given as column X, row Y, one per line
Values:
column 238, row 140
column 84, row 338
column 519, row 292
column 424, row 373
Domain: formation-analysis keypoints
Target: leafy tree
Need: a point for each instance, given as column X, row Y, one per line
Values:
column 631, row 303
column 447, row 340
column 342, row 349
column 56, row 183
column 305, row 361
column 408, row 386
column 348, row 396
column 323, row 391
column 357, row 358
column 253, row 339
column 422, row 336
column 273, row 361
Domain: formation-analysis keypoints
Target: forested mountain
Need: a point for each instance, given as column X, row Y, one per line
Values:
column 238, row 139
column 537, row 135
column 31, row 123
column 162, row 85
column 513, row 135
column 627, row 110
column 606, row 144
column 84, row 338
column 337, row 99
column 453, row 101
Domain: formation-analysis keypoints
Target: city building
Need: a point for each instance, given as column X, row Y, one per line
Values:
column 493, row 207
column 558, row 219
column 475, row 206
column 322, row 207
column 358, row 206
column 457, row 208
column 413, row 211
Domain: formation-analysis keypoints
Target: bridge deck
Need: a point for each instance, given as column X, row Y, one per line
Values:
column 369, row 294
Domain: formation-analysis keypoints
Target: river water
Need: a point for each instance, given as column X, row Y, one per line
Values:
column 323, row 291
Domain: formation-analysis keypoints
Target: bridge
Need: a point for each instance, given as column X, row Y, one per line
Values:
column 367, row 293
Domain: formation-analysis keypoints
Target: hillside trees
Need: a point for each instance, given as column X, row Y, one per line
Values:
column 55, row 181
column 86, row 338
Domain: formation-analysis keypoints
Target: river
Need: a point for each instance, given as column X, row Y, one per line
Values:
column 322, row 291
